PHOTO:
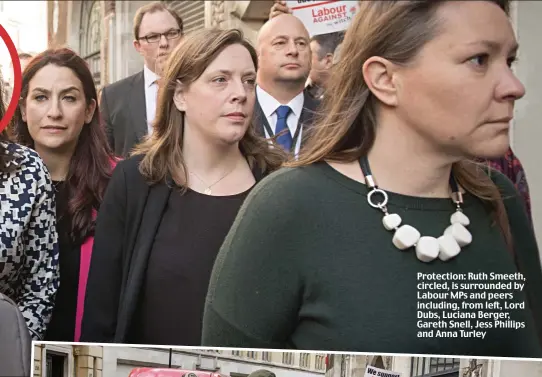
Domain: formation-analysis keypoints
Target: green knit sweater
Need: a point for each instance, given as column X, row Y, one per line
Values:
column 308, row 264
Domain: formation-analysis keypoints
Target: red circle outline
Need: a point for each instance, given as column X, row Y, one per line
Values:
column 17, row 80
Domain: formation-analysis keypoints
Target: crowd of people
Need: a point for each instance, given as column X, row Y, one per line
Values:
column 254, row 196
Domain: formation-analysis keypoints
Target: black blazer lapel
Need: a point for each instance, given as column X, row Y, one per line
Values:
column 310, row 107
column 157, row 199
column 259, row 118
column 138, row 106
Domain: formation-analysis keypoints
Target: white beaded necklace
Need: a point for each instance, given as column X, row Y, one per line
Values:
column 405, row 236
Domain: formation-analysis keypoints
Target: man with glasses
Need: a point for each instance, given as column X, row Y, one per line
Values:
column 128, row 106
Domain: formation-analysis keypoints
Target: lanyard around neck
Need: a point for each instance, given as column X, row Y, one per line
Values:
column 296, row 134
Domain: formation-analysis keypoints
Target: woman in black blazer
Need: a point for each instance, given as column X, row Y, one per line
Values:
column 169, row 207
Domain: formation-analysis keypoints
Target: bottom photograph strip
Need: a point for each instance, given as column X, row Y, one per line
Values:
column 111, row 360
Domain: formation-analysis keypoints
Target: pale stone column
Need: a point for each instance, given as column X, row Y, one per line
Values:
column 103, row 46
column 38, row 358
column 108, row 14
column 57, row 37
column 358, row 364
column 229, row 14
column 472, row 368
column 217, row 13
column 88, row 361
column 388, row 361
column 401, row 364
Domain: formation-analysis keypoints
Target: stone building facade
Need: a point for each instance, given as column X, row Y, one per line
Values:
column 347, row 365
column 101, row 30
column 59, row 360
column 355, row 365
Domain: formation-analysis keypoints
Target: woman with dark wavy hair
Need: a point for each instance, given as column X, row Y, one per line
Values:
column 58, row 117
column 28, row 238
column 169, row 207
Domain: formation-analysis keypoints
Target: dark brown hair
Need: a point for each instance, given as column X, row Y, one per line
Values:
column 156, row 6
column 163, row 150
column 25, row 55
column 328, row 43
column 5, row 158
column 91, row 164
column 4, row 138
column 345, row 128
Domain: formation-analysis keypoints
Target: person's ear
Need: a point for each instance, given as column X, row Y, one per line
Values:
column 179, row 96
column 378, row 74
column 89, row 112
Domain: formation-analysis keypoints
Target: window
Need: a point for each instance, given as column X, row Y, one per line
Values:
column 305, row 360
column 266, row 356
column 288, row 358
column 251, row 354
column 91, row 36
column 192, row 12
column 56, row 364
column 379, row 363
column 330, row 362
column 433, row 366
column 320, row 362
column 236, row 353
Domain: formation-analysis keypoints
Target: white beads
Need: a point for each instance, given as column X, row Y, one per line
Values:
column 427, row 249
column 405, row 237
column 449, row 248
column 446, row 247
column 459, row 233
column 459, row 217
column 391, row 221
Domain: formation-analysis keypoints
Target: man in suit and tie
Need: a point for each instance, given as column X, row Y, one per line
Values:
column 128, row 106
column 323, row 47
column 284, row 58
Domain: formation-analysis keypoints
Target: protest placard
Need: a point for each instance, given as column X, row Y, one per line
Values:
column 323, row 17
column 377, row 372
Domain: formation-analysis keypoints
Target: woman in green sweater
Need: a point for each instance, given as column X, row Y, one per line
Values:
column 383, row 237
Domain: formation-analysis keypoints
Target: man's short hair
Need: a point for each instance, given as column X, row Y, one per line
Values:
column 156, row 6
column 328, row 43
column 337, row 54
column 262, row 373
column 25, row 55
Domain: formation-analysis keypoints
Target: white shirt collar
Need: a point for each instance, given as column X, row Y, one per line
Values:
column 149, row 76
column 269, row 104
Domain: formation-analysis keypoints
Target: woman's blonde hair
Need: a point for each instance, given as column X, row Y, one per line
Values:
column 345, row 128
column 163, row 155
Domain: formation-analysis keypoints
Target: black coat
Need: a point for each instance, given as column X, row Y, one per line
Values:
column 126, row 227
column 124, row 113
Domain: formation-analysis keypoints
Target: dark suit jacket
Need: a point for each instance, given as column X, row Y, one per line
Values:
column 126, row 226
column 124, row 113
column 310, row 107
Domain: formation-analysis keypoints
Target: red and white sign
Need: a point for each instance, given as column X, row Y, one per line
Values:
column 322, row 17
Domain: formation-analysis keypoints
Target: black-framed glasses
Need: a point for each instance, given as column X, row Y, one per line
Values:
column 155, row 37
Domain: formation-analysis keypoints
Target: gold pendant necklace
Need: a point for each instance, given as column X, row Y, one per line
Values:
column 208, row 191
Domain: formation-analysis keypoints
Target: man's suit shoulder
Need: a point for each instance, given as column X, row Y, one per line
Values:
column 130, row 170
column 310, row 102
column 122, row 84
